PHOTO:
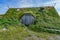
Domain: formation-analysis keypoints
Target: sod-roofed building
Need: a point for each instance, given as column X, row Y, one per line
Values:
column 45, row 17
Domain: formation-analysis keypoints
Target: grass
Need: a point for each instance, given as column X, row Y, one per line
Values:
column 20, row 33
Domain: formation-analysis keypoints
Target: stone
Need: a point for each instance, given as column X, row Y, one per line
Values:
column 18, row 9
column 4, row 29
column 57, row 37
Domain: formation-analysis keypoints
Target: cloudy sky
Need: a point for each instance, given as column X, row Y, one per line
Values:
column 6, row 4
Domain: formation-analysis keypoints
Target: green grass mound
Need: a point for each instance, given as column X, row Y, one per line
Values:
column 45, row 18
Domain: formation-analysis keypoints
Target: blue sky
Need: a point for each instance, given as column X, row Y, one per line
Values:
column 6, row 4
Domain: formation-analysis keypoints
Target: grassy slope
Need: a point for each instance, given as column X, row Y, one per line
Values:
column 22, row 33
column 46, row 18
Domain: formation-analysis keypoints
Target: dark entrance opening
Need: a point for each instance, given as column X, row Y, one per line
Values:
column 27, row 19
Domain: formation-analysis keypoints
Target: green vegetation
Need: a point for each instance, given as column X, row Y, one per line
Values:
column 45, row 18
column 22, row 33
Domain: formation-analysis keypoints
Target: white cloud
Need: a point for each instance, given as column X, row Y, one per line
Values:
column 25, row 3
column 57, row 3
column 59, row 13
column 57, row 6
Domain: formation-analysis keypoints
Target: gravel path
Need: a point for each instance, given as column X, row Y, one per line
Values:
column 34, row 37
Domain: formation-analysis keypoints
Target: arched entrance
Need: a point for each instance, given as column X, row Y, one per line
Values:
column 27, row 19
